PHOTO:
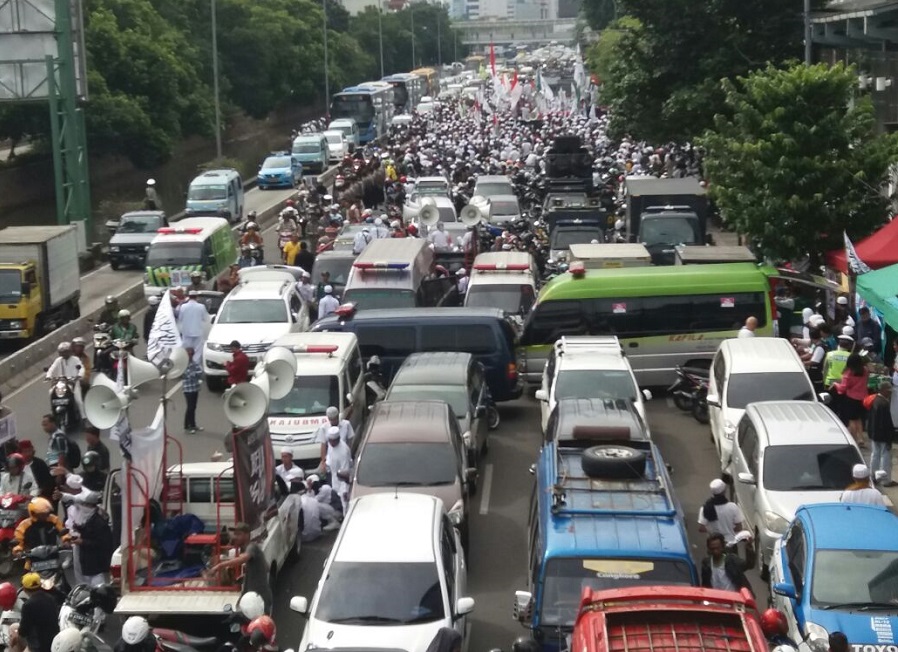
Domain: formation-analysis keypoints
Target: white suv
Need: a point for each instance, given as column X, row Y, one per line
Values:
column 255, row 313
column 395, row 577
column 588, row 367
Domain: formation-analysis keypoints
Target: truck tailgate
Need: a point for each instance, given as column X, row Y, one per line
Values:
column 171, row 602
column 62, row 266
column 687, row 631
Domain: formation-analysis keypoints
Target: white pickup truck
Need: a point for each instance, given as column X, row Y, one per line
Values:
column 193, row 489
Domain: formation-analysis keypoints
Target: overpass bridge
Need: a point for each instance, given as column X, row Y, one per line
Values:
column 482, row 32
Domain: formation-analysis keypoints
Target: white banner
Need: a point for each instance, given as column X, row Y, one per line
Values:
column 164, row 334
column 146, row 450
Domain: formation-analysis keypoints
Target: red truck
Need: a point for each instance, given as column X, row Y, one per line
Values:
column 664, row 618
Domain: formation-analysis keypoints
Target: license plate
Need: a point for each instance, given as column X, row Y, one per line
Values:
column 47, row 564
column 59, row 402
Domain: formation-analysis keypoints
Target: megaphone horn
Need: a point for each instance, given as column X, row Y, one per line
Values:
column 175, row 364
column 429, row 215
column 246, row 404
column 104, row 402
column 280, row 365
column 470, row 215
column 140, row 372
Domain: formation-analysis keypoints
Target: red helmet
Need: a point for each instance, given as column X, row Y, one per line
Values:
column 261, row 631
column 773, row 623
column 403, row 179
column 7, row 596
column 17, row 459
column 290, row 202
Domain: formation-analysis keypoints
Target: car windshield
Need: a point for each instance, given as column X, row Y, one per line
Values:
column 172, row 254
column 512, row 299
column 306, row 148
column 387, row 464
column 353, row 593
column 10, row 286
column 595, row 383
column 256, row 311
column 139, row 224
column 743, row 389
column 492, row 188
column 310, row 396
column 338, row 268
column 563, row 238
column 455, row 395
column 806, row 467
column 334, row 138
column 504, row 208
column 207, row 193
column 565, row 580
column 855, row 577
column 430, row 188
column 669, row 230
column 278, row 162
column 380, row 299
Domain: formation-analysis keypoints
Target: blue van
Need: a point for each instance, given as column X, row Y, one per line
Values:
column 393, row 335
column 602, row 516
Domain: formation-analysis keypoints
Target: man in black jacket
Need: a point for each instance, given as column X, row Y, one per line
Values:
column 723, row 570
column 40, row 615
column 93, row 538
column 882, row 433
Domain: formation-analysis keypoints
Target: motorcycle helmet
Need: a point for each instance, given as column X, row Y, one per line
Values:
column 135, row 630
column 290, row 203
column 251, row 605
column 38, row 506
column 79, row 596
column 15, row 459
column 252, row 225
column 111, row 300
column 31, row 581
column 67, row 640
column 78, row 340
column 124, row 313
column 8, row 596
column 261, row 631
column 784, row 648
column 773, row 623
column 151, row 182
column 373, row 363
column 64, row 347
column 90, row 461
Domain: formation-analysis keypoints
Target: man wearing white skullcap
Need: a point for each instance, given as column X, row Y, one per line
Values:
column 860, row 490
column 287, row 470
column 339, row 464
column 719, row 515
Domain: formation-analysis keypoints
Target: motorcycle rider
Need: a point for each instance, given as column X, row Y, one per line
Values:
column 196, row 282
column 69, row 367
column 288, row 219
column 92, row 472
column 776, row 629
column 39, row 623
column 124, row 330
column 78, row 345
column 17, row 479
column 67, row 640
column 93, row 540
column 251, row 236
column 41, row 528
column 136, row 636
column 110, row 310
column 151, row 197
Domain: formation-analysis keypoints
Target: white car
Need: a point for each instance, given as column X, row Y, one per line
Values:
column 395, row 577
column 747, row 370
column 255, row 313
column 588, row 367
column 337, row 147
column 401, row 120
column 788, row 454
column 426, row 105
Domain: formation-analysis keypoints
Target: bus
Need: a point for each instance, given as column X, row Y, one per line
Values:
column 663, row 316
column 407, row 90
column 430, row 80
column 475, row 62
column 370, row 104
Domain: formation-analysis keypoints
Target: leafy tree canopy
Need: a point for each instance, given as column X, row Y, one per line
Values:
column 795, row 160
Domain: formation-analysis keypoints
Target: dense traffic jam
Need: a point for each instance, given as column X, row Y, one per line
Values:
column 486, row 242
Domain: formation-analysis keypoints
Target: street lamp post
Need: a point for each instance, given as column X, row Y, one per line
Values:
column 411, row 11
column 808, row 50
column 380, row 34
column 327, row 79
column 215, row 83
column 440, row 38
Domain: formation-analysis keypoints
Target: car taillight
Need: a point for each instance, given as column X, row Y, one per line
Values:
column 512, row 371
column 116, row 573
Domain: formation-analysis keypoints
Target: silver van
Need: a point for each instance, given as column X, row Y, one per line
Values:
column 218, row 193
column 312, row 151
column 350, row 129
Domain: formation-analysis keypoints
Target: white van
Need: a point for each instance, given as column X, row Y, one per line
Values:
column 750, row 370
column 505, row 280
column 328, row 372
column 216, row 192
column 350, row 129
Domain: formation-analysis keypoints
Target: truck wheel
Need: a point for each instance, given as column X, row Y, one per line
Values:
column 613, row 462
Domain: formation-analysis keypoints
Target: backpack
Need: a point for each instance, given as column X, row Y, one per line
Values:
column 72, row 454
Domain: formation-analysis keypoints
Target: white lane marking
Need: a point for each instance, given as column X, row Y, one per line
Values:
column 486, row 488
column 670, row 402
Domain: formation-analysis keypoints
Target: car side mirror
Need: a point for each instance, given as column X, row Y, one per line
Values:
column 713, row 400
column 647, row 394
column 746, row 478
column 480, row 411
column 542, row 395
column 523, row 606
column 825, row 397
column 470, row 474
column 299, row 604
column 349, row 399
column 295, row 316
column 785, row 589
column 464, row 606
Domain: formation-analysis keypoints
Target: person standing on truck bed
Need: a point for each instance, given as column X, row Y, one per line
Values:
column 255, row 568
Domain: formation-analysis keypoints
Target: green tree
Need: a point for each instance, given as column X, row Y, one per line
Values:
column 599, row 13
column 796, row 161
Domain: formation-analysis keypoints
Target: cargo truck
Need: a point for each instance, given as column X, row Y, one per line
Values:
column 40, row 283
column 664, row 213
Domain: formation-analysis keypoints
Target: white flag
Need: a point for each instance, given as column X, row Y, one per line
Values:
column 855, row 264
column 121, row 429
column 164, row 334
column 144, row 456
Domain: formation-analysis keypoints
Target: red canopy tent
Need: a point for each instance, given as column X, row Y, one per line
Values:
column 877, row 250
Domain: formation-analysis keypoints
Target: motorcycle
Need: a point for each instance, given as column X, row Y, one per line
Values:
column 238, row 638
column 251, row 255
column 686, row 388
column 13, row 510
column 700, row 407
column 50, row 562
column 102, row 342
column 85, row 608
column 63, row 405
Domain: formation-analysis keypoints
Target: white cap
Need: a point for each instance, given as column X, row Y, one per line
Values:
column 74, row 482
column 842, row 301
column 816, row 320
column 334, row 433
column 378, row 222
column 151, row 182
column 312, row 479
column 332, row 412
column 860, row 472
column 718, row 486
column 154, row 300
column 305, row 274
column 328, row 289
column 461, row 272
column 286, row 451
column 806, row 315
column 848, row 330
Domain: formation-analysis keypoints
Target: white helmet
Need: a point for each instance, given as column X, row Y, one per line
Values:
column 67, row 640
column 251, row 605
column 135, row 630
column 151, row 182
column 784, row 648
column 64, row 347
column 124, row 313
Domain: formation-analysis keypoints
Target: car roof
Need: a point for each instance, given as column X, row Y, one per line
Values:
column 250, row 290
column 504, row 198
column 493, row 178
column 434, row 368
column 432, row 179
column 850, row 526
column 369, row 533
column 419, row 314
column 214, row 177
column 598, row 418
column 598, row 360
column 443, row 202
column 144, row 214
column 208, row 226
column 785, row 423
column 760, row 355
column 409, row 422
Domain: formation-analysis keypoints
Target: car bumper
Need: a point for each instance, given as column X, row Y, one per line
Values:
column 306, row 453
column 128, row 258
column 274, row 183
column 214, row 361
column 13, row 335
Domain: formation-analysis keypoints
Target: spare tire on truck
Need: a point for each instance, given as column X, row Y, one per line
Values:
column 613, row 462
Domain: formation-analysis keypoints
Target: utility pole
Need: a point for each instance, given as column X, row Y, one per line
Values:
column 440, row 38
column 455, row 46
column 411, row 11
column 380, row 34
column 808, row 54
column 327, row 79
column 215, row 83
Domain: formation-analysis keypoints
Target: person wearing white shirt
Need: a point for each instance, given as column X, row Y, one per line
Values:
column 749, row 329
column 305, row 288
column 192, row 320
column 20, row 483
column 438, row 237
column 328, row 304
column 347, row 433
column 323, row 495
column 380, row 229
column 361, row 240
column 860, row 491
column 68, row 366
column 287, row 470
column 719, row 515
column 339, row 464
column 462, row 281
